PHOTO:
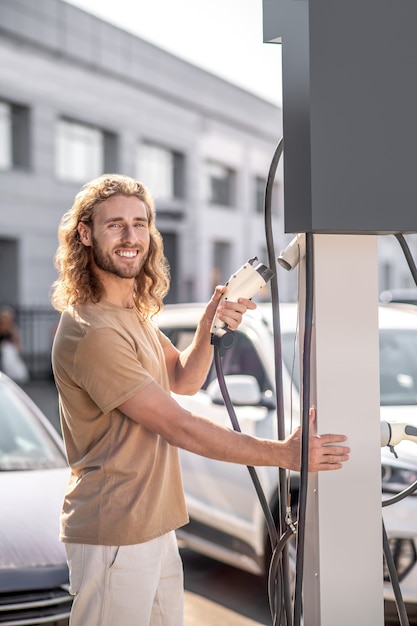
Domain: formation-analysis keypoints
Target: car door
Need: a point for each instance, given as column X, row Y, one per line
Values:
column 216, row 491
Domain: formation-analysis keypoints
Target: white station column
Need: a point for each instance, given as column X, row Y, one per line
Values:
column 343, row 574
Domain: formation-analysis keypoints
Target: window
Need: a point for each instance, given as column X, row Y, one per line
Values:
column 14, row 136
column 221, row 182
column 260, row 186
column 386, row 274
column 241, row 359
column 221, row 263
column 9, row 258
column 5, row 136
column 398, row 368
column 83, row 152
column 160, row 169
column 25, row 445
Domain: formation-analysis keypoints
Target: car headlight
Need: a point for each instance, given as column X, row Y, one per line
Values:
column 396, row 478
column 405, row 556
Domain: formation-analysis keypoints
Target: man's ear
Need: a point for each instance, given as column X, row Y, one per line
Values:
column 85, row 234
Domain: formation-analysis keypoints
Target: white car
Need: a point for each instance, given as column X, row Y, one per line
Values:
column 226, row 520
column 34, row 582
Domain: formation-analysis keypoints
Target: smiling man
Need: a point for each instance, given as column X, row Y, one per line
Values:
column 121, row 228
column 114, row 370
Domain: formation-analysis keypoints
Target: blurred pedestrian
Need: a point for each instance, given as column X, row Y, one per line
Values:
column 9, row 330
column 11, row 360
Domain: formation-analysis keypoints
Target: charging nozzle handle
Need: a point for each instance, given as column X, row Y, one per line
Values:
column 392, row 433
column 245, row 283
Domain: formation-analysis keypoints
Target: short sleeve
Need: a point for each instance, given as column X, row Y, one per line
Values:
column 107, row 367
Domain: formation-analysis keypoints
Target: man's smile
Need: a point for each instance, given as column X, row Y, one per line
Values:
column 129, row 254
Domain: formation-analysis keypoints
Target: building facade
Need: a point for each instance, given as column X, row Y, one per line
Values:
column 80, row 97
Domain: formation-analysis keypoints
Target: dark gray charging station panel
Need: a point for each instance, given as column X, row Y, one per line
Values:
column 349, row 113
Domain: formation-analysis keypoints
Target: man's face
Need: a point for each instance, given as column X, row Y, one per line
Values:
column 119, row 237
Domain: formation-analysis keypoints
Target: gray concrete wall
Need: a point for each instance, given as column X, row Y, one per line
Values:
column 61, row 61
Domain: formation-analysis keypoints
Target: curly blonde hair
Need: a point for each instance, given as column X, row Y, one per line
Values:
column 77, row 283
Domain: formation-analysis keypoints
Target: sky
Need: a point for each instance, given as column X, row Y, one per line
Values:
column 223, row 37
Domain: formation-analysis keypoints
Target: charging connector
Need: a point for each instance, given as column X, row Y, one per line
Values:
column 394, row 432
column 293, row 253
column 245, row 283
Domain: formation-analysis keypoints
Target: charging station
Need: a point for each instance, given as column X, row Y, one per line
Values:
column 350, row 163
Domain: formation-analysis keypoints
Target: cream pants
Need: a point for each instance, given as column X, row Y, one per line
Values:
column 137, row 585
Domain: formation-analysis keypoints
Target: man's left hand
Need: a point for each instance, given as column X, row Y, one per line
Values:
column 228, row 312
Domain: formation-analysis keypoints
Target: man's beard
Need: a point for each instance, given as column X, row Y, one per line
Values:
column 105, row 262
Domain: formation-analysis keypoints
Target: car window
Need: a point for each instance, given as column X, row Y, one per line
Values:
column 398, row 362
column 180, row 337
column 241, row 358
column 24, row 443
column 398, row 366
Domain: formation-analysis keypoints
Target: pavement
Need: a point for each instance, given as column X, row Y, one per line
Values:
column 204, row 612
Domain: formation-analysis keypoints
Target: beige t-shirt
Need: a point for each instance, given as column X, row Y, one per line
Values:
column 125, row 485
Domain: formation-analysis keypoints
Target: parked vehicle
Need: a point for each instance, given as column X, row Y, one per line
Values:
column 226, row 519
column 33, row 476
column 405, row 296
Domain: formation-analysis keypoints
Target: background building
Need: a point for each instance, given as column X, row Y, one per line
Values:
column 79, row 97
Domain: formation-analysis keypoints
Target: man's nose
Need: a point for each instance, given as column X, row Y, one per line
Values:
column 129, row 233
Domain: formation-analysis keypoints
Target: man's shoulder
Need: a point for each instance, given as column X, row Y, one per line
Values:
column 81, row 315
column 103, row 317
column 93, row 315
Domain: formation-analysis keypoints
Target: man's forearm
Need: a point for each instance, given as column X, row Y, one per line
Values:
column 194, row 362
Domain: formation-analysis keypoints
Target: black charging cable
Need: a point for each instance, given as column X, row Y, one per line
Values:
column 279, row 574
column 275, row 592
column 279, row 577
column 221, row 344
column 277, row 546
column 218, row 353
column 408, row 256
column 305, row 431
column 389, row 560
column 393, row 574
column 408, row 491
